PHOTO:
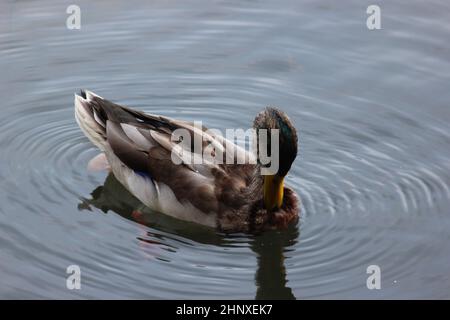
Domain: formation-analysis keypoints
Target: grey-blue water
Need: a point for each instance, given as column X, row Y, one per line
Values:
column 373, row 173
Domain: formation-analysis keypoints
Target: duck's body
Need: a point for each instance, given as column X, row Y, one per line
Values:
column 138, row 148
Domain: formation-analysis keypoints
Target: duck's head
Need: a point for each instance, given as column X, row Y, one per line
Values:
column 269, row 119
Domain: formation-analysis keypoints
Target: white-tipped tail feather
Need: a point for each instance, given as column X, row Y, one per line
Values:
column 89, row 121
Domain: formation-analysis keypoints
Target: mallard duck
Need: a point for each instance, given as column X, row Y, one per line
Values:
column 230, row 197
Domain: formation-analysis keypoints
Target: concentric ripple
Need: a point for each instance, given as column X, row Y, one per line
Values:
column 372, row 172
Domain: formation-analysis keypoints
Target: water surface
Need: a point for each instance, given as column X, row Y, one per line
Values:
column 373, row 172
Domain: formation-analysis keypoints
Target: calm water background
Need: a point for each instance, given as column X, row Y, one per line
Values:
column 372, row 109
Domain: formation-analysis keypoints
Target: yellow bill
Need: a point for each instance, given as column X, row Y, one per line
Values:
column 273, row 191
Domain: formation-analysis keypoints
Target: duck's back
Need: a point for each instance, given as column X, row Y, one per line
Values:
column 144, row 158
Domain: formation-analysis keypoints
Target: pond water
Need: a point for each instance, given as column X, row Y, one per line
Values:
column 373, row 171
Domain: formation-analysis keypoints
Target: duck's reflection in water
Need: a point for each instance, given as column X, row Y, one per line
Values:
column 270, row 276
column 269, row 246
